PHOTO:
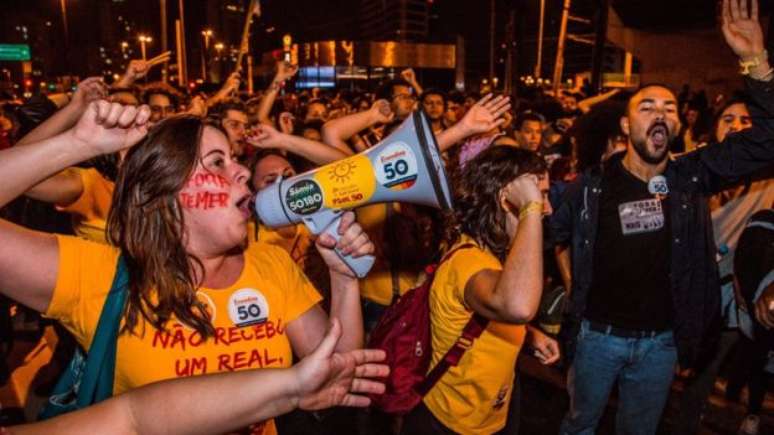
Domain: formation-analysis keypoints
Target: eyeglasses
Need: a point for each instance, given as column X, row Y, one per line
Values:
column 404, row 97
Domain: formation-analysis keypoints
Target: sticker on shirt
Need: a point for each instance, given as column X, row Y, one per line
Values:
column 247, row 307
column 396, row 166
column 639, row 217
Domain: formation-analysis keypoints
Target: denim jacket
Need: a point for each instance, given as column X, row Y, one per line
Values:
column 691, row 178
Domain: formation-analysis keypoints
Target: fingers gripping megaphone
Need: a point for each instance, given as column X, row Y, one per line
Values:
column 404, row 167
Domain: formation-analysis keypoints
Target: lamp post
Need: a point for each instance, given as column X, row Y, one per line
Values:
column 219, row 49
column 144, row 39
column 539, row 62
column 559, row 64
column 206, row 34
column 63, row 6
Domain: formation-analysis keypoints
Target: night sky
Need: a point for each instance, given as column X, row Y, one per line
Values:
column 94, row 24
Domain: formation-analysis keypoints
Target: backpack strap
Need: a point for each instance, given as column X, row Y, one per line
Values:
column 97, row 381
column 472, row 330
column 392, row 243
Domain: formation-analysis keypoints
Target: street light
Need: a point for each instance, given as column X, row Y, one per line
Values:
column 219, row 48
column 206, row 33
column 144, row 39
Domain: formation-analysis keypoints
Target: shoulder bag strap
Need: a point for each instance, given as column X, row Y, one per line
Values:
column 97, row 382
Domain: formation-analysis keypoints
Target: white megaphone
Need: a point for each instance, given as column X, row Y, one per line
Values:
column 404, row 167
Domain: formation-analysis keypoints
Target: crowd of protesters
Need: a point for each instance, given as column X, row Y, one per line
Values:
column 625, row 238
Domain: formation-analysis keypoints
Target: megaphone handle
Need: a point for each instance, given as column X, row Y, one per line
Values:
column 360, row 265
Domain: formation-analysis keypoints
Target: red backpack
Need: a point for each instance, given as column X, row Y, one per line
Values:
column 404, row 334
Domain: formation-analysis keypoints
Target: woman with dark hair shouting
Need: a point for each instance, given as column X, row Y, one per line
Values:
column 493, row 270
column 197, row 302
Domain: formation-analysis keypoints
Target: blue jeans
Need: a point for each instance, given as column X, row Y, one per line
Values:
column 643, row 367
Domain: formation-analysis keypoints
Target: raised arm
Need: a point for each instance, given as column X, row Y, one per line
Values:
column 136, row 70
column 28, row 259
column 230, row 86
column 338, row 131
column 205, row 404
column 197, row 106
column 61, row 189
column 64, row 187
column 513, row 294
column 585, row 105
column 91, row 89
column 306, row 331
column 746, row 151
column 284, row 72
column 410, row 76
column 483, row 116
column 316, row 152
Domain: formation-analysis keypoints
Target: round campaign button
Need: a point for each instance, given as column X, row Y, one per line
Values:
column 247, row 307
column 658, row 185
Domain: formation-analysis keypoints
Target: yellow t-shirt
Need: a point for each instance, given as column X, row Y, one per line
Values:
column 90, row 210
column 377, row 285
column 296, row 245
column 250, row 317
column 473, row 397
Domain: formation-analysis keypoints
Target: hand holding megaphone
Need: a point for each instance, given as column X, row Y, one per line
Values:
column 349, row 239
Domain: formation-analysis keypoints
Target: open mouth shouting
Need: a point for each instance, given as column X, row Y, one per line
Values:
column 658, row 134
column 245, row 205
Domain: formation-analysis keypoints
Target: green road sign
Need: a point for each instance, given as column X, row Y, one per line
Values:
column 17, row 52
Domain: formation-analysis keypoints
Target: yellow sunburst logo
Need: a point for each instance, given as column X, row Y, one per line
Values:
column 342, row 172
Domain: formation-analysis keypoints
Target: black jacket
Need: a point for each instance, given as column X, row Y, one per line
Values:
column 691, row 178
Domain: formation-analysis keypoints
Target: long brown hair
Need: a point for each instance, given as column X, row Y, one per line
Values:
column 477, row 186
column 146, row 223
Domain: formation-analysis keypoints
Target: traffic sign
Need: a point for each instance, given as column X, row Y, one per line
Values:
column 15, row 52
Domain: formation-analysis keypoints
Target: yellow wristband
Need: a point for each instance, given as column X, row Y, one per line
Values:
column 531, row 207
column 746, row 65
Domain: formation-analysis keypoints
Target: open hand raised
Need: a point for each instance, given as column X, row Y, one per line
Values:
column 742, row 29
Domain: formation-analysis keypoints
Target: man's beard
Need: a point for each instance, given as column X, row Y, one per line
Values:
column 641, row 148
column 658, row 128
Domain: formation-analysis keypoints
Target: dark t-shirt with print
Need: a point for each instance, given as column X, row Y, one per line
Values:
column 630, row 285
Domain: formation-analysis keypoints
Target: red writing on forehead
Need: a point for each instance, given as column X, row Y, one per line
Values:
column 204, row 200
column 201, row 179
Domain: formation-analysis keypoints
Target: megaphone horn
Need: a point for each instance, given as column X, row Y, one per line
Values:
column 404, row 167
